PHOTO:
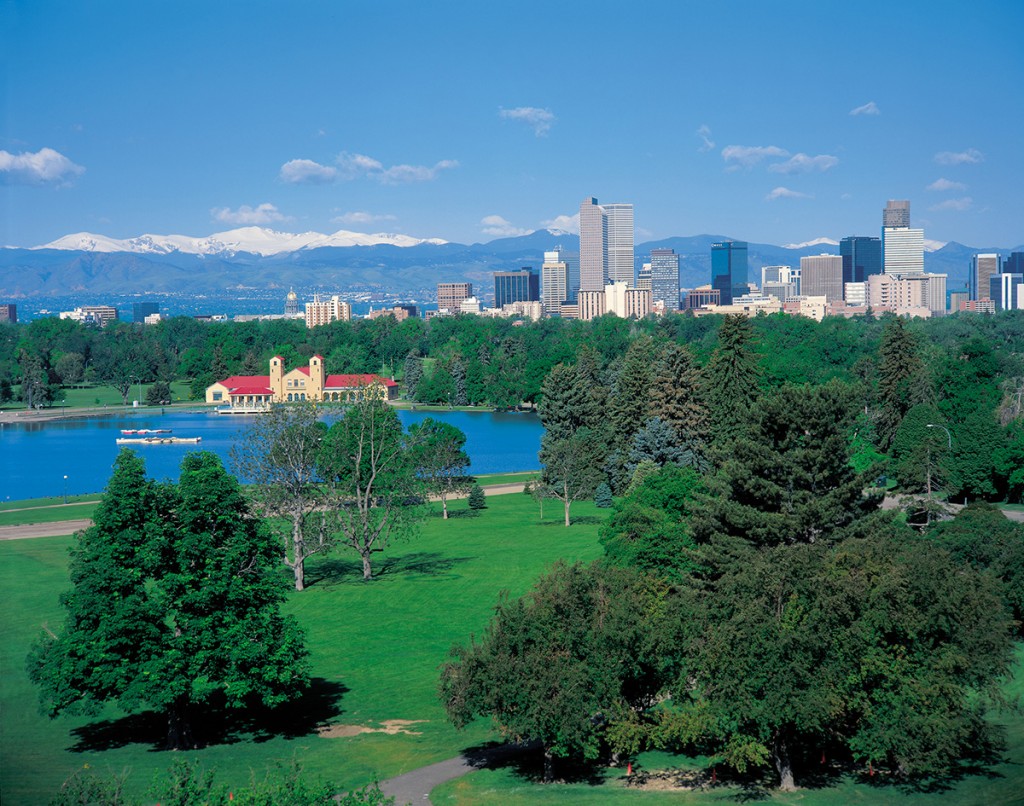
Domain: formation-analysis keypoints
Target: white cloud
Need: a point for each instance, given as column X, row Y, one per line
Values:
column 355, row 166
column 501, row 228
column 803, row 163
column 360, row 217
column 704, row 133
column 945, row 184
column 786, row 193
column 539, row 119
column 970, row 156
column 307, row 172
column 870, row 108
column 954, row 204
column 42, row 167
column 563, row 223
column 263, row 214
column 749, row 156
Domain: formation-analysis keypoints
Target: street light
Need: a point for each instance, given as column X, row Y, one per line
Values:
column 949, row 436
column 65, row 488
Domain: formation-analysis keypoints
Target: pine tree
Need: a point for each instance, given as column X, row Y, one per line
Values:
column 677, row 397
column 603, row 495
column 731, row 379
column 901, row 380
column 458, row 371
column 413, row 374
column 630, row 402
column 477, row 498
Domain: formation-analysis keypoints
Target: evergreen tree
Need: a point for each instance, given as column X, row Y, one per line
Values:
column 630, row 404
column 175, row 605
column 731, row 379
column 458, row 372
column 655, row 442
column 677, row 397
column 901, row 379
column 477, row 498
column 412, row 374
column 603, row 495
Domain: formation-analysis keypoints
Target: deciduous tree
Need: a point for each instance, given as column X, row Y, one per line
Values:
column 440, row 458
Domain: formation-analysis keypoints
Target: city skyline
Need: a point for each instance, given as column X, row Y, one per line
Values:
column 461, row 122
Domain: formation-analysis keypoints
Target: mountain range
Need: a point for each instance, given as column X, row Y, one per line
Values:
column 85, row 266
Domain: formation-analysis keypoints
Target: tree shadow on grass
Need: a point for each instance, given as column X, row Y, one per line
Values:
column 219, row 725
column 526, row 761
column 348, row 572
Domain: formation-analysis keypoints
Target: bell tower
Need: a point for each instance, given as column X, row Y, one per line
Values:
column 277, row 378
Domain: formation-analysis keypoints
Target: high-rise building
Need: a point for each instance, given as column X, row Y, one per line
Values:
column 903, row 250
column 822, row 276
column 665, row 277
column 516, row 286
column 896, row 214
column 593, row 246
column 729, row 269
column 983, row 268
column 8, row 313
column 1014, row 264
column 140, row 310
column 554, row 281
column 619, row 224
column 1006, row 290
column 862, row 256
column 643, row 277
column 322, row 312
column 450, row 295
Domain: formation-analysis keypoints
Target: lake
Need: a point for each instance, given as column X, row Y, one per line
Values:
column 35, row 457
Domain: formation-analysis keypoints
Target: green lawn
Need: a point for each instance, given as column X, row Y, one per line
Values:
column 96, row 395
column 49, row 514
column 509, row 478
column 381, row 643
column 49, row 501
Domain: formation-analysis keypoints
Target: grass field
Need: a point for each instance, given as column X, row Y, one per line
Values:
column 90, row 396
column 376, row 649
column 49, row 514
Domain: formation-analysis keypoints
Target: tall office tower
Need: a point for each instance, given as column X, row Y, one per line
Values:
column 729, row 269
column 896, row 214
column 1014, row 264
column 1005, row 291
column 861, row 256
column 593, row 246
column 665, row 277
column 331, row 310
column 140, row 310
column 554, row 281
column 516, row 286
column 774, row 274
column 983, row 268
column 450, row 295
column 8, row 312
column 903, row 250
column 822, row 276
column 643, row 277
column 621, row 261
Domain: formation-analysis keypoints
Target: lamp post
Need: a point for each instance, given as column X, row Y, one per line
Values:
column 949, row 436
column 949, row 442
column 65, row 488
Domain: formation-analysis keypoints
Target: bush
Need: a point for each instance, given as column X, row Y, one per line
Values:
column 603, row 495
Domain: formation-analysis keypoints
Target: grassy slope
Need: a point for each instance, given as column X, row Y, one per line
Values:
column 384, row 642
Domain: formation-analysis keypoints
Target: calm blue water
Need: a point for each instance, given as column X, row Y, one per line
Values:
column 35, row 457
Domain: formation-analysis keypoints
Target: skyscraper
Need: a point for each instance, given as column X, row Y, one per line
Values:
column 896, row 214
column 729, row 269
column 593, row 246
column 1005, row 291
column 621, row 266
column 140, row 310
column 665, row 277
column 451, row 295
column 516, row 286
column 554, row 281
column 861, row 256
column 903, row 250
column 822, row 276
column 983, row 267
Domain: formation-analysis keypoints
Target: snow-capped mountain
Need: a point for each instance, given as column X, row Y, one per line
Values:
column 815, row 242
column 254, row 240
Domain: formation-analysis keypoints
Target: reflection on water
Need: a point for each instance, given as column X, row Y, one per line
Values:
column 35, row 457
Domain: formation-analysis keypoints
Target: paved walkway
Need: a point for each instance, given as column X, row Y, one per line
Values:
column 415, row 787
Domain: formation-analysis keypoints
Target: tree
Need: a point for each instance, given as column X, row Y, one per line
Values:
column 883, row 647
column 158, row 394
column 440, row 459
column 655, row 442
column 572, row 466
column 901, row 380
column 731, row 379
column 677, row 396
column 477, row 498
column 71, row 368
column 557, row 665
column 630, row 403
column 603, row 495
column 789, row 478
column 278, row 454
column 376, row 493
column 458, row 371
column 412, row 375
column 175, row 605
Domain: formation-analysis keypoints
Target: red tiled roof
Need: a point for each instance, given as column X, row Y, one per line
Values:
column 250, row 390
column 245, row 380
column 303, row 369
column 355, row 381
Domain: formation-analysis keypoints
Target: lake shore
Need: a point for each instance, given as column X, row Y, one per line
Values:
column 68, row 413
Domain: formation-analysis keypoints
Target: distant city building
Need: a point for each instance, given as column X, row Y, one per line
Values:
column 911, row 295
column 749, row 304
column 1006, row 290
column 92, row 314
column 956, row 300
column 399, row 312
column 822, row 276
column 1014, row 264
column 291, row 304
column 569, row 310
column 665, row 277
column 153, row 319
column 903, row 250
column 619, row 226
column 140, row 310
column 775, row 274
column 643, row 277
column 451, row 295
column 729, row 269
column 896, row 214
column 781, row 291
column 978, row 306
column 469, row 305
column 626, row 302
column 855, row 294
column 8, row 312
column 983, row 268
column 591, row 304
column 559, row 279
column 322, row 312
column 861, row 256
column 702, row 297
column 593, row 246
column 516, row 286
column 528, row 309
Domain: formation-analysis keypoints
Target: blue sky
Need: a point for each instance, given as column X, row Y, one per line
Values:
column 774, row 122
